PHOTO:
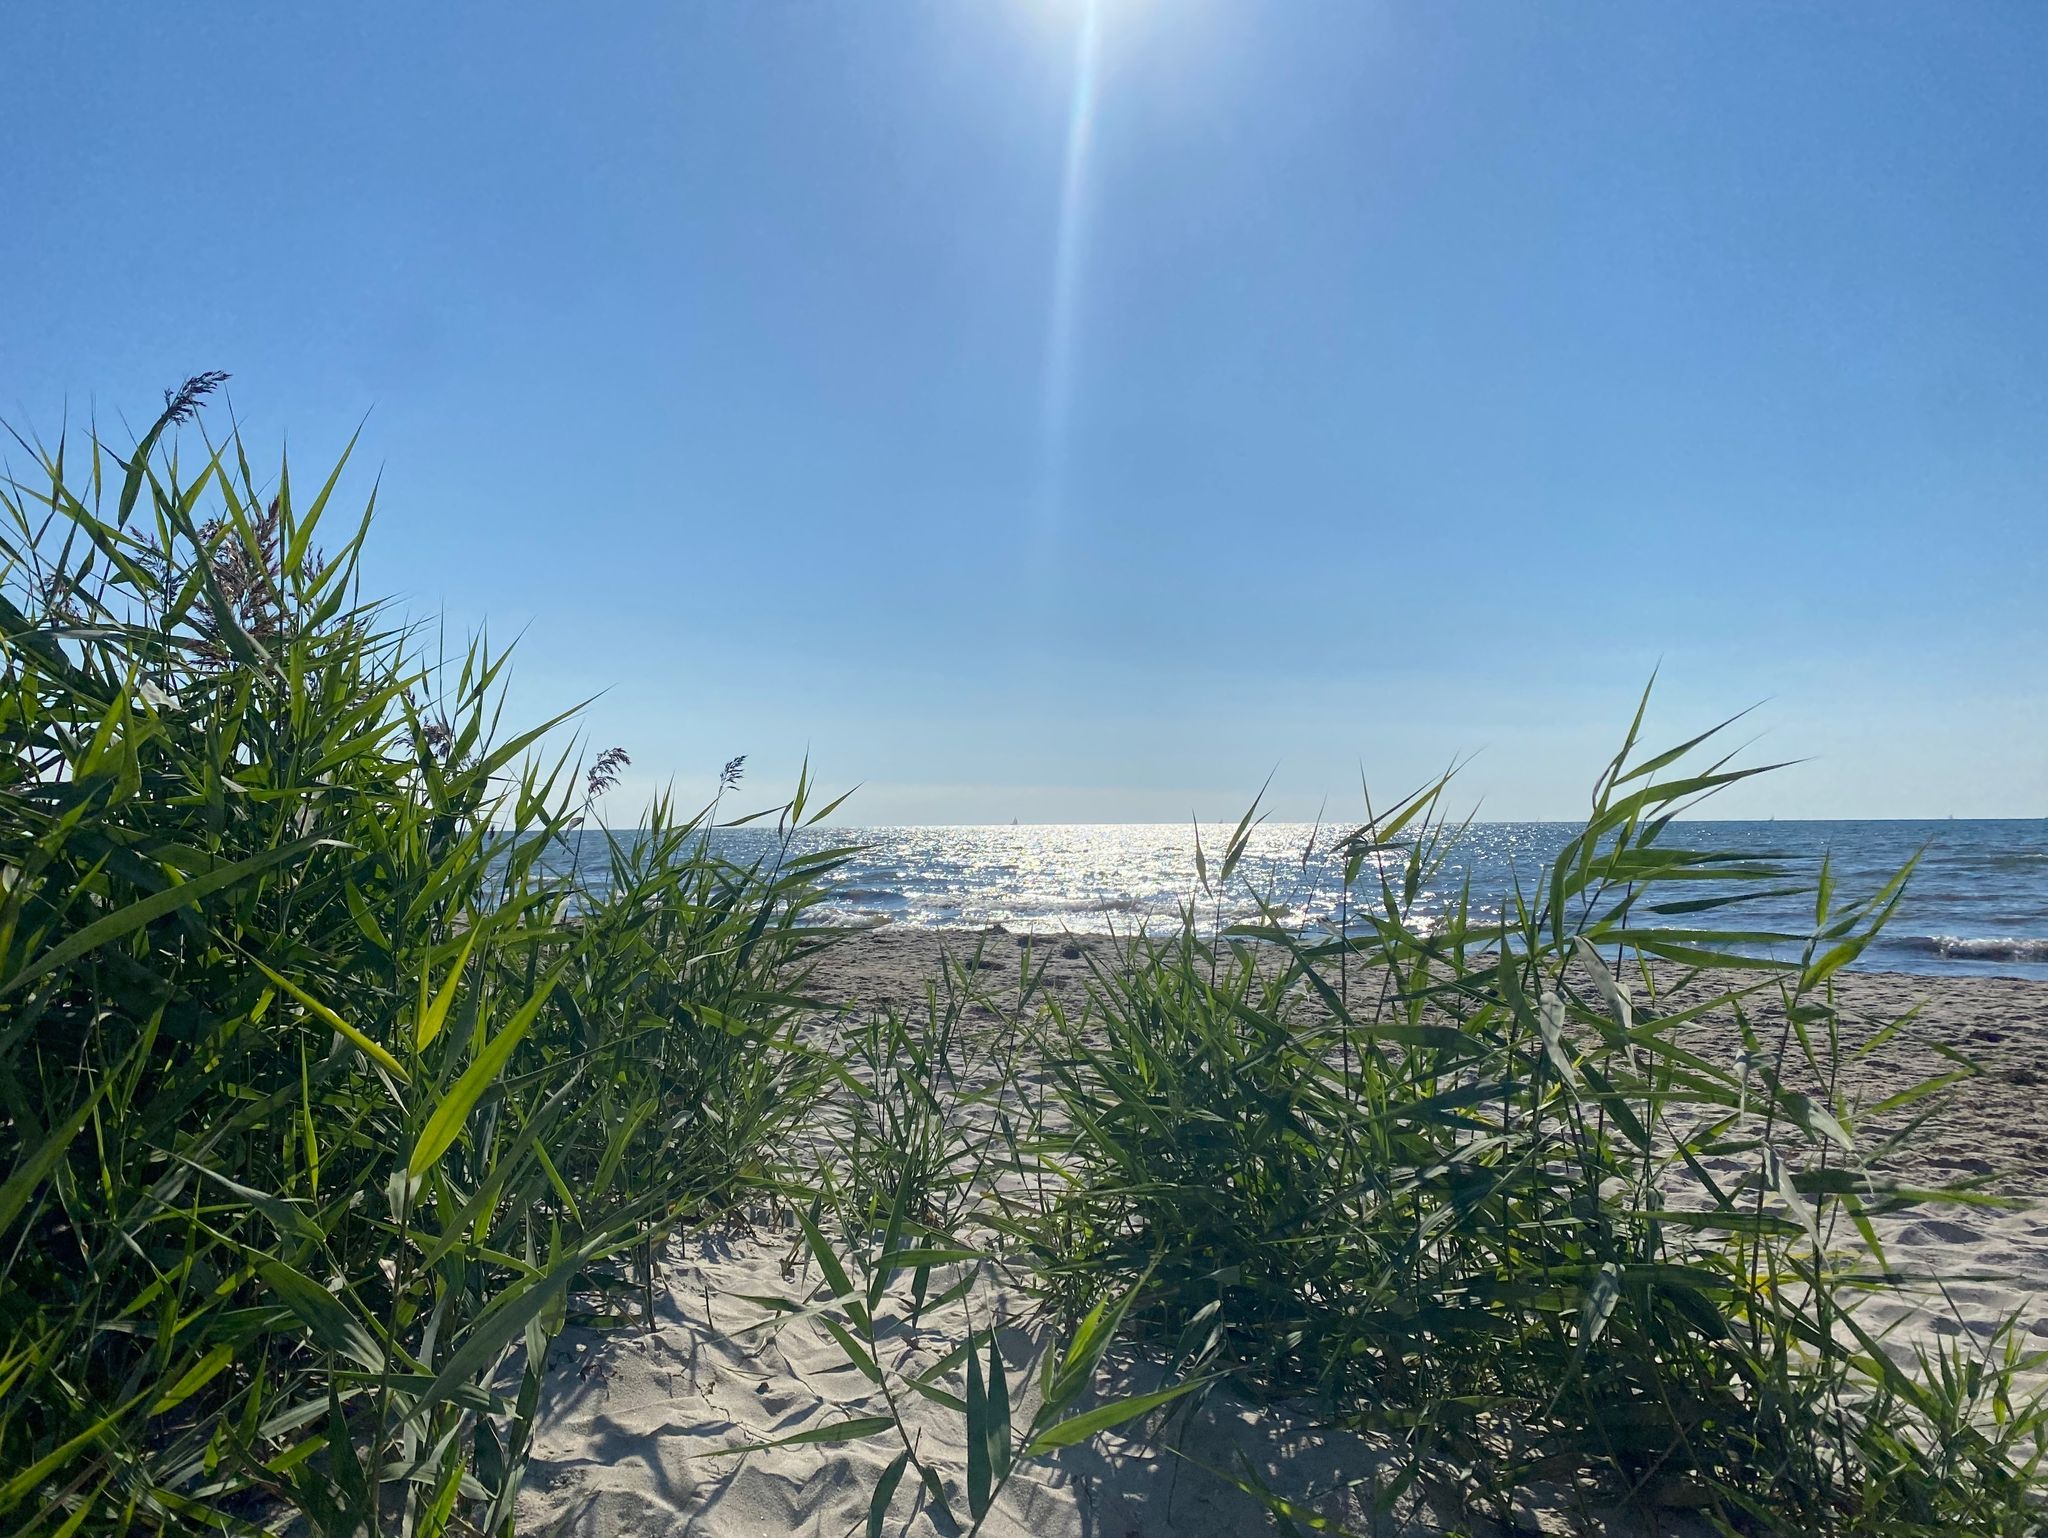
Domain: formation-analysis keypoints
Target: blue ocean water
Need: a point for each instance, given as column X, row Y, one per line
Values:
column 1977, row 903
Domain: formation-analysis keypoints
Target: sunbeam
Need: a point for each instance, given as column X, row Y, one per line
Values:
column 1057, row 398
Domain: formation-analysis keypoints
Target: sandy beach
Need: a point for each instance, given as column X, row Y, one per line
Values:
column 635, row 1420
column 1997, row 1127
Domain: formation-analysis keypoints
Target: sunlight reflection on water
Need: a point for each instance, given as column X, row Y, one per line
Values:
column 1979, row 902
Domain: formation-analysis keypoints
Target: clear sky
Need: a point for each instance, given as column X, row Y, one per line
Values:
column 1060, row 419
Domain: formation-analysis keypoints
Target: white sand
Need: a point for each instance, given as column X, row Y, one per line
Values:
column 630, row 1424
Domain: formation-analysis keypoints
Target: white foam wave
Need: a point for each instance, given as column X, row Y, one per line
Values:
column 853, row 918
column 1977, row 948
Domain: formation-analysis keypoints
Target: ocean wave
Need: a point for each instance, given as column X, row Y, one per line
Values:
column 853, row 918
column 866, row 894
column 1974, row 948
column 1025, row 905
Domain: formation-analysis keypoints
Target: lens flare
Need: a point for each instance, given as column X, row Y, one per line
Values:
column 1057, row 400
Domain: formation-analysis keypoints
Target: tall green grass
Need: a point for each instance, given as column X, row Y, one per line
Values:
column 1573, row 1205
column 925, row 1140
column 1454, row 1180
column 323, row 1096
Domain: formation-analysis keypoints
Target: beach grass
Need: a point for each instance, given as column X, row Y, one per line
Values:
column 1457, row 1182
column 326, row 1093
column 331, row 1092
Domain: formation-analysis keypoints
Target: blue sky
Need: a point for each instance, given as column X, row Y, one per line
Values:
column 1367, row 385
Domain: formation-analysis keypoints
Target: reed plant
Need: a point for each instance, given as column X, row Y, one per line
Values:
column 1466, row 1181
column 906, row 1242
column 326, row 1089
column 1569, row 1202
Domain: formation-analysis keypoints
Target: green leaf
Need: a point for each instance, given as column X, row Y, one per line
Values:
column 1550, row 1023
column 888, row 1265
column 1079, row 1428
column 33, row 1168
column 321, row 1012
column 495, row 1329
column 835, row 1273
column 284, row 1216
column 195, row 1377
column 147, row 910
column 885, row 1492
column 1788, row 1192
column 977, row 1440
column 436, row 1013
column 911, row 1259
column 445, row 1125
column 333, row 1326
column 21, row 1484
column 302, row 536
column 1000, row 1446
column 1815, row 1120
column 856, row 1353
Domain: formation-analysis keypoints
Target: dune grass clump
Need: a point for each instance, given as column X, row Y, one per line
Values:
column 1569, row 1206
column 1488, row 1187
column 325, row 1093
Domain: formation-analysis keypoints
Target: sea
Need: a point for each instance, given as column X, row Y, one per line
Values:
column 1976, row 904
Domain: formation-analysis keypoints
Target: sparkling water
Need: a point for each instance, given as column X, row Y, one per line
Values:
column 1978, row 902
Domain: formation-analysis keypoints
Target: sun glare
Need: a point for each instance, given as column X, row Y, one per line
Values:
column 1068, row 241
